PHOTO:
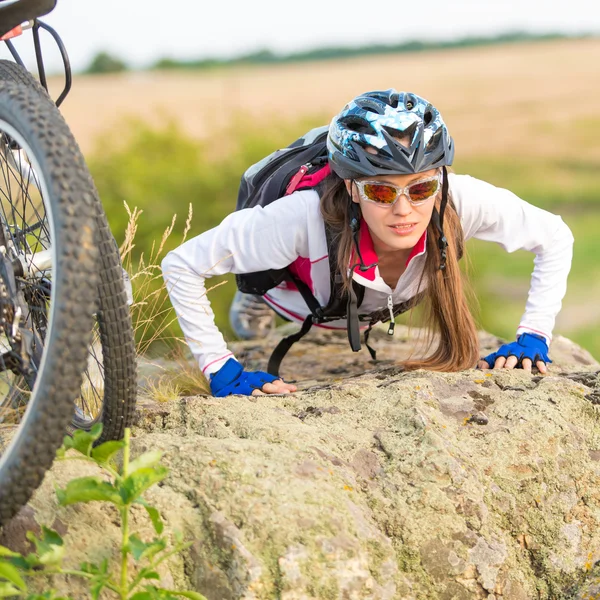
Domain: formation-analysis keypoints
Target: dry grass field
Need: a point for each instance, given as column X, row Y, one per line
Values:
column 524, row 99
column 524, row 116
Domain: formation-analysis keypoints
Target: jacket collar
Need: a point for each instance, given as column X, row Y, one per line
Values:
column 369, row 255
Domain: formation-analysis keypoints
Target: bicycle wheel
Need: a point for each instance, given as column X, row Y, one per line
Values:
column 48, row 279
column 109, row 389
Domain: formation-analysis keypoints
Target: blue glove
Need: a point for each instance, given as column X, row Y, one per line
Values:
column 528, row 345
column 232, row 379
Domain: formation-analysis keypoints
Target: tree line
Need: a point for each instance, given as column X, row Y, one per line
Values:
column 105, row 62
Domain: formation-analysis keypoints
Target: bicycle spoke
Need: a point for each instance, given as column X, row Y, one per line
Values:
column 25, row 225
column 91, row 400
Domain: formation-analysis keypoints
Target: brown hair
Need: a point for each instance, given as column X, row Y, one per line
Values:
column 447, row 311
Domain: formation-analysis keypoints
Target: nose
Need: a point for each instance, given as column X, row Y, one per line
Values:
column 403, row 207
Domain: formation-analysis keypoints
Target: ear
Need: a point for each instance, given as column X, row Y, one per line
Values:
column 348, row 183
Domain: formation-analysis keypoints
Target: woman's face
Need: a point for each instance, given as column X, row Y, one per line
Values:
column 397, row 227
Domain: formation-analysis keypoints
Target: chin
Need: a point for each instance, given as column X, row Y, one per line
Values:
column 402, row 242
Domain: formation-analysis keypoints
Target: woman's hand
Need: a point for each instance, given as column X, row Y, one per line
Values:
column 232, row 379
column 511, row 362
column 277, row 387
column 529, row 349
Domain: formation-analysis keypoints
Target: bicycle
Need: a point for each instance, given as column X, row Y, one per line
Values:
column 63, row 285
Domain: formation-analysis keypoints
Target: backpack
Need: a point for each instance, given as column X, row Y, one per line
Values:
column 304, row 165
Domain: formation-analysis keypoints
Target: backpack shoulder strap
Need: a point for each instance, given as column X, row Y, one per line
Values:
column 341, row 304
column 285, row 344
column 338, row 299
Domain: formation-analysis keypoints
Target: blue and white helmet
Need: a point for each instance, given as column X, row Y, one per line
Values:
column 376, row 120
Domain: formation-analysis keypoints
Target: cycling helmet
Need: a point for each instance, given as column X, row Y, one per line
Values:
column 376, row 120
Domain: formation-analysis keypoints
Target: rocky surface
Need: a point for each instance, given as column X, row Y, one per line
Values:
column 370, row 483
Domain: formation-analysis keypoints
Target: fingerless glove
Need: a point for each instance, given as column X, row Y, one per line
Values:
column 528, row 345
column 232, row 379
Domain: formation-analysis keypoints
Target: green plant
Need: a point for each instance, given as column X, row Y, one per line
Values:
column 123, row 488
column 104, row 62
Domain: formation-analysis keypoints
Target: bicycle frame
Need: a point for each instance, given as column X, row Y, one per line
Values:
column 16, row 17
column 19, row 16
column 15, row 12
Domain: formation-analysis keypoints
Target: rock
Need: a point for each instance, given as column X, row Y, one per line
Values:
column 382, row 485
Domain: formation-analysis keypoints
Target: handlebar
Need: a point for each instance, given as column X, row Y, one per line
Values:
column 15, row 13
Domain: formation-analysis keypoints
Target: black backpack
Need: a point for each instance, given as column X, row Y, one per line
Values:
column 304, row 165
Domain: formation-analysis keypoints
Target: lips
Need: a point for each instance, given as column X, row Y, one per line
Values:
column 403, row 228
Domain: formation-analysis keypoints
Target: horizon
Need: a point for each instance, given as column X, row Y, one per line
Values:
column 141, row 32
column 304, row 55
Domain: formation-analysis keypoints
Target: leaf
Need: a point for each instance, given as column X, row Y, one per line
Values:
column 49, row 547
column 100, row 577
column 104, row 453
column 45, row 596
column 25, row 563
column 136, row 547
column 154, row 515
column 145, row 461
column 6, row 552
column 94, row 569
column 82, row 441
column 149, row 573
column 11, row 574
column 159, row 593
column 8, row 590
column 140, row 549
column 142, row 596
column 137, row 483
column 51, row 595
column 89, row 489
column 96, row 586
column 154, row 593
column 174, row 594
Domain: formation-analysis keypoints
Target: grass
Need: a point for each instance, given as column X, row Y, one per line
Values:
column 505, row 98
column 154, row 321
column 162, row 390
column 551, row 183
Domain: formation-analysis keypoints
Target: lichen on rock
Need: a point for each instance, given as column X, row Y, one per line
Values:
column 383, row 485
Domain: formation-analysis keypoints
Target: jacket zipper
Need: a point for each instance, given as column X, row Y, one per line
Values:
column 295, row 180
column 285, row 155
column 392, row 317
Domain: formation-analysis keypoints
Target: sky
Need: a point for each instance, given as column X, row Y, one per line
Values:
column 142, row 31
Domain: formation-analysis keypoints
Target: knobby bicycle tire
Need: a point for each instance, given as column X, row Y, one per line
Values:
column 71, row 206
column 113, row 315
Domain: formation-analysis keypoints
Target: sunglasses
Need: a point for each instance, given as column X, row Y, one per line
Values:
column 387, row 194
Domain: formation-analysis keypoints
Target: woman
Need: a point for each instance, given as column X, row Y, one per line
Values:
column 400, row 221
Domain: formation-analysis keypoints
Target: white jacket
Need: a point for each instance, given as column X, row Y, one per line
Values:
column 291, row 231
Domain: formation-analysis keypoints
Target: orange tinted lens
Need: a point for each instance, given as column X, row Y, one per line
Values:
column 377, row 192
column 423, row 190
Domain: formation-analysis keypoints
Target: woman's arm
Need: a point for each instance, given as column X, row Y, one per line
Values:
column 497, row 215
column 246, row 241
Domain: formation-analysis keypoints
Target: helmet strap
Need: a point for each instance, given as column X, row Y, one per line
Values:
column 438, row 220
column 355, row 216
column 352, row 320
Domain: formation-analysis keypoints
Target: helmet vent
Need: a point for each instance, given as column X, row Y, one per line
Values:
column 428, row 116
column 354, row 123
column 371, row 105
column 405, row 135
column 410, row 101
column 434, row 142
